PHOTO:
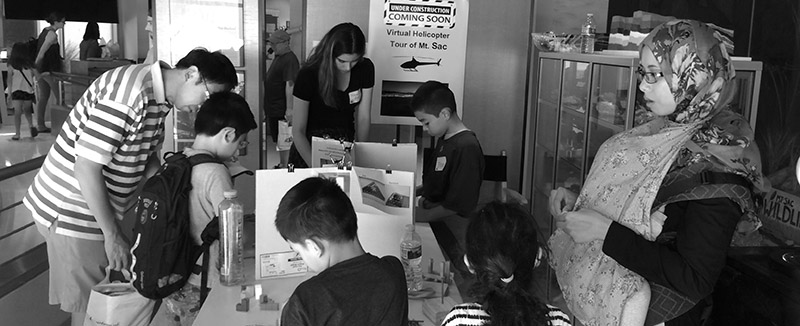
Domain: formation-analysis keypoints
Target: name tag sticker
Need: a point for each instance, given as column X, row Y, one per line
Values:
column 441, row 161
column 355, row 96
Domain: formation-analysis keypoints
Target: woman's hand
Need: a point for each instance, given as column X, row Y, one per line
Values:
column 584, row 225
column 561, row 201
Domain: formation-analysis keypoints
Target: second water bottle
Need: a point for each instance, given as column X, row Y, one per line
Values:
column 411, row 256
column 231, row 248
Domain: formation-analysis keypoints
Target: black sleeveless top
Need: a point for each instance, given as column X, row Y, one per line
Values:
column 52, row 60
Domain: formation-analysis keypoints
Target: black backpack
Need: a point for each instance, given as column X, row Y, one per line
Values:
column 163, row 253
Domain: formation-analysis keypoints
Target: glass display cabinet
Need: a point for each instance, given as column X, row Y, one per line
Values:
column 582, row 100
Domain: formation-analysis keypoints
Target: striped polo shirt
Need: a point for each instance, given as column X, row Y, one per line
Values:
column 471, row 314
column 117, row 123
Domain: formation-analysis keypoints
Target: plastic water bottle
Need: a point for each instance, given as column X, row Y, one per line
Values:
column 411, row 256
column 588, row 30
column 231, row 248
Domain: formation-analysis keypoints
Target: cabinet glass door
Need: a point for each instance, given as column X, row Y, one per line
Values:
column 572, row 128
column 744, row 93
column 545, row 145
column 609, row 103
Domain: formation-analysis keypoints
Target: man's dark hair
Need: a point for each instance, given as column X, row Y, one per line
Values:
column 431, row 97
column 316, row 209
column 214, row 67
column 224, row 109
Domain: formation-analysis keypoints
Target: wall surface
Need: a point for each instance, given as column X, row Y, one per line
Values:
column 566, row 16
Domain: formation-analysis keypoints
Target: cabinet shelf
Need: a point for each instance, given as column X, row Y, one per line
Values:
column 608, row 125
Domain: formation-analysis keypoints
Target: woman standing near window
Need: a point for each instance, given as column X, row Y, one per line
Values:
column 48, row 59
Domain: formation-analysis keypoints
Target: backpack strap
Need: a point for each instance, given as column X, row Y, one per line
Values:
column 209, row 235
column 201, row 158
column 671, row 190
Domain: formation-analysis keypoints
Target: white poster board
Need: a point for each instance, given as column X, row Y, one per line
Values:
column 383, row 203
column 411, row 42
column 327, row 152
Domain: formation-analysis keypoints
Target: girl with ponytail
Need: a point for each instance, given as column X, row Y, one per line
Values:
column 503, row 249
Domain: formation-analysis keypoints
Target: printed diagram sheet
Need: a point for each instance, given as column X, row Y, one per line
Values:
column 383, row 193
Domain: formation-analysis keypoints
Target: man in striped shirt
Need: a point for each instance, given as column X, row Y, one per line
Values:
column 107, row 146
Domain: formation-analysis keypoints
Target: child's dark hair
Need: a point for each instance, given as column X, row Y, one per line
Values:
column 502, row 248
column 214, row 67
column 316, row 209
column 224, row 109
column 344, row 38
column 92, row 31
column 54, row 17
column 19, row 57
column 431, row 97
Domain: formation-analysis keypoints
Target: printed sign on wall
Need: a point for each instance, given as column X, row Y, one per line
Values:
column 410, row 42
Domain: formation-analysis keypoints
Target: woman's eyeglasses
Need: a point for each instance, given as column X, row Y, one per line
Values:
column 649, row 77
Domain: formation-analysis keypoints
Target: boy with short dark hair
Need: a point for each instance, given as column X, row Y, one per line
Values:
column 221, row 127
column 352, row 287
column 452, row 178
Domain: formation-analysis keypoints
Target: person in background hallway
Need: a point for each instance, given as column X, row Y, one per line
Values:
column 279, row 86
column 108, row 146
column 663, row 201
column 503, row 249
column 89, row 47
column 20, row 87
column 48, row 59
column 332, row 93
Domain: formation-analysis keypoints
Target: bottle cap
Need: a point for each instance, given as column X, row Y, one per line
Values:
column 230, row 193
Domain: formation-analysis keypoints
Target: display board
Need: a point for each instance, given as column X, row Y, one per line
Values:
column 330, row 152
column 411, row 42
column 382, row 201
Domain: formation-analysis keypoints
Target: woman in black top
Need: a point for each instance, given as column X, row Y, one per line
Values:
column 332, row 93
column 48, row 59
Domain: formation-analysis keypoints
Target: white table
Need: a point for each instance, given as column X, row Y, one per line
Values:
column 220, row 306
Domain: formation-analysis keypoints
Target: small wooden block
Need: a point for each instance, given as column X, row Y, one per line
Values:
column 266, row 303
column 243, row 306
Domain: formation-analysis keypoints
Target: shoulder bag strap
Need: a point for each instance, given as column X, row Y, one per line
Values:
column 26, row 78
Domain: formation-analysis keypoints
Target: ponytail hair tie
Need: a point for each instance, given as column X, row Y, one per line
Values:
column 507, row 279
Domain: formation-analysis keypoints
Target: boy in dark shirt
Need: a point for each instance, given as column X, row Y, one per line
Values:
column 352, row 287
column 452, row 179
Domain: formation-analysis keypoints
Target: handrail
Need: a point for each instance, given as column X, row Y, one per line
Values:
column 21, row 168
column 81, row 80
column 26, row 266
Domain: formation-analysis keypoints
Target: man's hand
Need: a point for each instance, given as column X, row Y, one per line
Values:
column 117, row 252
column 561, row 201
column 584, row 225
column 288, row 116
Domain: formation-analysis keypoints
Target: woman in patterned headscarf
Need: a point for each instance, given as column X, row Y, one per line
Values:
column 663, row 200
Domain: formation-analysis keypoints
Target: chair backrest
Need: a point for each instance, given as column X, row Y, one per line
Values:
column 495, row 169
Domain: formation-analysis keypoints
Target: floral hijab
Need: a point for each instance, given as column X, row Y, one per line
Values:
column 629, row 168
column 696, row 66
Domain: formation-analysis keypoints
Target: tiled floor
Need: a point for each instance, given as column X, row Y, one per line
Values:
column 12, row 152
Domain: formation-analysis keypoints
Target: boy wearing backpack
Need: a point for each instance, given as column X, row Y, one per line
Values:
column 221, row 127
column 107, row 146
